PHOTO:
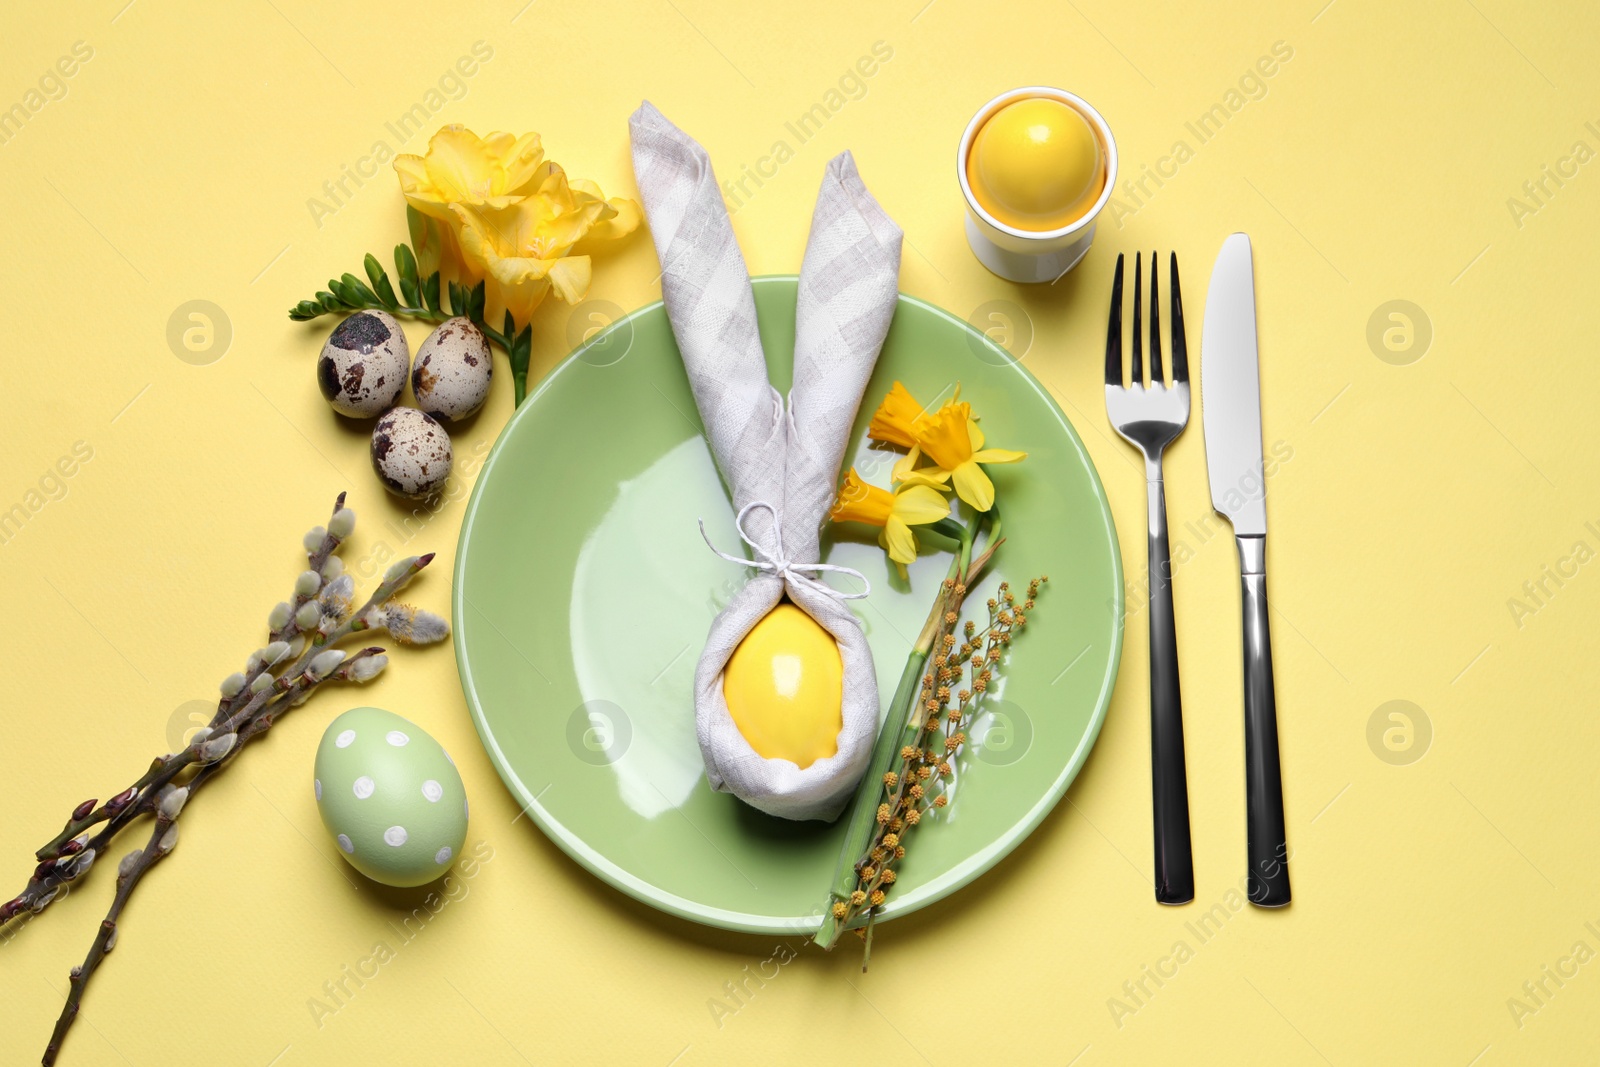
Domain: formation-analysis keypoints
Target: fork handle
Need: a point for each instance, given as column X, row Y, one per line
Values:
column 1169, row 782
column 1268, row 846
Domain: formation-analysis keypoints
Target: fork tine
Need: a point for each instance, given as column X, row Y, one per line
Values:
column 1155, row 319
column 1114, row 330
column 1180, row 343
column 1136, row 367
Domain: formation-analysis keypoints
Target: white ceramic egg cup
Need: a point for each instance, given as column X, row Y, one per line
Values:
column 1033, row 255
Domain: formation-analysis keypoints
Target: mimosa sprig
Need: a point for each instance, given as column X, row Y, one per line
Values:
column 912, row 768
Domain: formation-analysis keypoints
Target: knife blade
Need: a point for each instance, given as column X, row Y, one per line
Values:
column 1230, row 396
column 1230, row 390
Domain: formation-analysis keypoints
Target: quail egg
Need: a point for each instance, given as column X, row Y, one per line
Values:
column 362, row 369
column 452, row 372
column 411, row 452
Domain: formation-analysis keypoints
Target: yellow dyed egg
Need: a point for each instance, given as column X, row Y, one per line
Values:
column 785, row 685
column 1036, row 165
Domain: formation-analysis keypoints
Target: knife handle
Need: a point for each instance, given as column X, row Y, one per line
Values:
column 1268, row 846
column 1169, row 781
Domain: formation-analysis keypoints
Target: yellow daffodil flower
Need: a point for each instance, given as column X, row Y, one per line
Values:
column 897, row 418
column 906, row 472
column 949, row 437
column 952, row 440
column 897, row 512
column 523, row 245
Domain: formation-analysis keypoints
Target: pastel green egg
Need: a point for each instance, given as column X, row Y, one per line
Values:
column 390, row 796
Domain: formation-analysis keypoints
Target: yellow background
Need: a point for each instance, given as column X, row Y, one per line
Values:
column 1419, row 499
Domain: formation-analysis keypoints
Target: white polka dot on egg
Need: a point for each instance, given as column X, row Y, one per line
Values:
column 397, row 739
column 396, row 836
column 344, row 739
column 363, row 787
column 345, row 843
column 443, row 856
column 432, row 790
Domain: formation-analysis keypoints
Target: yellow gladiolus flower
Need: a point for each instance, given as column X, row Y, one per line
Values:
column 897, row 512
column 955, row 444
column 523, row 245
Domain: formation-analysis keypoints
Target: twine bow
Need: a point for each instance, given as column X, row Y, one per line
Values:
column 776, row 563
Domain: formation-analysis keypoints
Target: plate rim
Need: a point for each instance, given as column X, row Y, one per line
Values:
column 954, row 880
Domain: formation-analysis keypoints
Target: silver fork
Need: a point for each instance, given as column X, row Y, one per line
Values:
column 1150, row 416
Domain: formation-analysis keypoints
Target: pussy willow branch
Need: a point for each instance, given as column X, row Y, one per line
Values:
column 136, row 799
column 295, row 663
column 134, row 868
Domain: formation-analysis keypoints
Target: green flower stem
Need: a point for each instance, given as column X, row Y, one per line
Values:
column 901, row 727
column 863, row 812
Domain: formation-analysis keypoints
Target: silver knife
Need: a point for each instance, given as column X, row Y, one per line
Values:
column 1230, row 397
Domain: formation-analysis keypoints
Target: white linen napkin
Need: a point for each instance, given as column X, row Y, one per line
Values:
column 780, row 460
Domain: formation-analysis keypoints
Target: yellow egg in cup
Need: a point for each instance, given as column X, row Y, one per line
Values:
column 784, row 686
column 1036, row 167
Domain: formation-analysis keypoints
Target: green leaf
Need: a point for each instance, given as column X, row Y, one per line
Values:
column 406, row 264
column 386, row 293
column 380, row 282
column 329, row 301
column 364, row 296
column 458, row 299
column 430, row 291
column 475, row 307
column 521, row 349
column 511, row 329
column 427, row 240
column 348, row 297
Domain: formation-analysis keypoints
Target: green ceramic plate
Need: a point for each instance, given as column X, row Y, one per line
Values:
column 583, row 594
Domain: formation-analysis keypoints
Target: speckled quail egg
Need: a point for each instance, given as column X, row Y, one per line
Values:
column 363, row 366
column 411, row 452
column 390, row 797
column 452, row 372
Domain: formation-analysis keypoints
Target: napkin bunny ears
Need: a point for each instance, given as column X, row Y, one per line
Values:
column 780, row 458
